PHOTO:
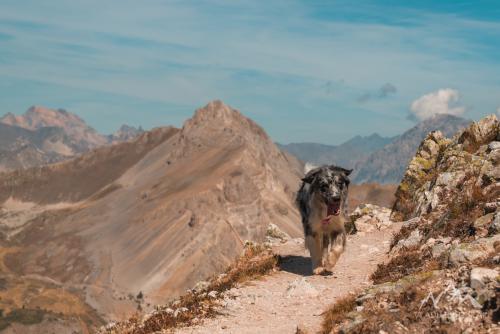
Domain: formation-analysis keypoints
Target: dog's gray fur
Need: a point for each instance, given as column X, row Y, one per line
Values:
column 320, row 188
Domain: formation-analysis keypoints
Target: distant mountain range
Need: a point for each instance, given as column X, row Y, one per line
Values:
column 346, row 154
column 41, row 136
column 375, row 158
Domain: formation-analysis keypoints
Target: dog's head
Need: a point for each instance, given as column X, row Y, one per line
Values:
column 331, row 184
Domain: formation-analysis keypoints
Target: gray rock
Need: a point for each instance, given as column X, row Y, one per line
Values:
column 468, row 252
column 491, row 206
column 412, row 241
column 480, row 132
column 494, row 145
column 479, row 277
column 179, row 311
column 482, row 224
column 439, row 249
column 213, row 294
column 495, row 225
column 273, row 232
column 200, row 286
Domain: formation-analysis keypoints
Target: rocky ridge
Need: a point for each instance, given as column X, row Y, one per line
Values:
column 42, row 136
column 388, row 164
column 148, row 217
column 443, row 273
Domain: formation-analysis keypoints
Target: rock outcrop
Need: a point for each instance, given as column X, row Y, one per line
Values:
column 388, row 164
column 442, row 273
column 446, row 170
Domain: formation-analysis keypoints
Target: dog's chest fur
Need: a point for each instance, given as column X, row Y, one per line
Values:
column 319, row 213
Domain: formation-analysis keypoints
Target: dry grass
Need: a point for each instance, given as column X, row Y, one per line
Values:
column 403, row 233
column 195, row 306
column 407, row 310
column 407, row 262
column 337, row 313
column 464, row 208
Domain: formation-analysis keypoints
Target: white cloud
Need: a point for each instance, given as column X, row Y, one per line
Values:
column 442, row 101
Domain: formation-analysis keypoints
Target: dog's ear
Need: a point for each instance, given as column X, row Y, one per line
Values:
column 347, row 172
column 311, row 175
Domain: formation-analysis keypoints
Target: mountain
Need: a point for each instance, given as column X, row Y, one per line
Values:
column 426, row 266
column 125, row 133
column 23, row 148
column 387, row 165
column 150, row 217
column 41, row 136
column 345, row 154
column 375, row 158
column 37, row 117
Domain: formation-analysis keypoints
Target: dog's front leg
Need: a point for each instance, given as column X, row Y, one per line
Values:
column 337, row 246
column 314, row 244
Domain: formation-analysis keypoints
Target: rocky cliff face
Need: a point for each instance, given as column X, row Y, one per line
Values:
column 444, row 265
column 154, row 215
column 388, row 164
column 443, row 168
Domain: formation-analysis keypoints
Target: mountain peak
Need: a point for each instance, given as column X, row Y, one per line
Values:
column 218, row 117
column 216, row 110
column 37, row 117
column 126, row 133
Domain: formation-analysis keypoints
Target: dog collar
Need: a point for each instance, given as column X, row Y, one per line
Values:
column 325, row 221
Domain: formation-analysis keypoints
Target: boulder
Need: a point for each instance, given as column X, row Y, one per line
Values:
column 495, row 225
column 482, row 224
column 468, row 252
column 479, row 133
column 479, row 277
column 413, row 240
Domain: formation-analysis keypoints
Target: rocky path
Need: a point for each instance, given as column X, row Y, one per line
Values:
column 293, row 296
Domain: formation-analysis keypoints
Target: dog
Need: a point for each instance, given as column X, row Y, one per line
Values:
column 322, row 202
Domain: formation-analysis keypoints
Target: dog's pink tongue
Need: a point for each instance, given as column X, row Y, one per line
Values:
column 333, row 209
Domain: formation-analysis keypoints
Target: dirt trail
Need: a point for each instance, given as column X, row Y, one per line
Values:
column 293, row 297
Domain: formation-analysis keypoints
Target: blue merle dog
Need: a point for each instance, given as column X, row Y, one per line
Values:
column 322, row 201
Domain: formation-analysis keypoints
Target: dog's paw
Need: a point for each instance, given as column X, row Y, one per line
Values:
column 319, row 271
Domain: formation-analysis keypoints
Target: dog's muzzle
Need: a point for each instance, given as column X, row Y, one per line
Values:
column 332, row 209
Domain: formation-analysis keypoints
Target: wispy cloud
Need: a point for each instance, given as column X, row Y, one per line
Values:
column 294, row 59
column 384, row 91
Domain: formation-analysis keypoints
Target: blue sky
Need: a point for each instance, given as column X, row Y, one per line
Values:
column 320, row 71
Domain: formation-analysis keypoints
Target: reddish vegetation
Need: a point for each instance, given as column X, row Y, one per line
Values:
column 337, row 313
column 407, row 262
column 194, row 306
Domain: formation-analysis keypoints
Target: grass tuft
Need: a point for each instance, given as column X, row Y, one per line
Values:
column 337, row 313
